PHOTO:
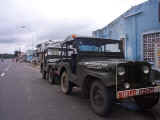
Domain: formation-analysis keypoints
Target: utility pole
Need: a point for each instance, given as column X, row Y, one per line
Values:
column 33, row 34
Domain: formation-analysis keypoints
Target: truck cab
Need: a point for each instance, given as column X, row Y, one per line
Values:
column 99, row 68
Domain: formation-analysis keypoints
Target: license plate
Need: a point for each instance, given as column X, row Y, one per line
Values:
column 135, row 92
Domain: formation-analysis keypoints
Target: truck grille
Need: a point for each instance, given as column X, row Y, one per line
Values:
column 135, row 76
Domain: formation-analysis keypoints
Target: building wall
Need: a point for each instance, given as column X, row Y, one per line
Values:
column 131, row 26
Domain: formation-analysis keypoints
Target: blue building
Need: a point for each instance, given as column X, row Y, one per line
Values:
column 139, row 28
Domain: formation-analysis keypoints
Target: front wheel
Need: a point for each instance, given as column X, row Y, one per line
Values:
column 100, row 98
column 147, row 101
column 51, row 77
column 66, row 85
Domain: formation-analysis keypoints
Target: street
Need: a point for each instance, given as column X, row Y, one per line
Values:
column 24, row 95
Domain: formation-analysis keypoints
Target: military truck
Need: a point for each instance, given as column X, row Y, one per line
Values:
column 50, row 57
column 98, row 67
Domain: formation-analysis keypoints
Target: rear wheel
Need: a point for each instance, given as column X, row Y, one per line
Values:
column 43, row 75
column 66, row 85
column 101, row 99
column 147, row 101
column 51, row 77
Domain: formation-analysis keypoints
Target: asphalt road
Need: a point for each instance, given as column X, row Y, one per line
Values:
column 25, row 96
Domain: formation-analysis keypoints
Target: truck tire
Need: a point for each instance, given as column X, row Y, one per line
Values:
column 43, row 75
column 66, row 85
column 101, row 99
column 147, row 101
column 51, row 77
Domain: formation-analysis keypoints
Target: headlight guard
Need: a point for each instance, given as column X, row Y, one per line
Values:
column 145, row 69
column 121, row 70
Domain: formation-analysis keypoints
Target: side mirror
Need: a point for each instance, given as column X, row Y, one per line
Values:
column 75, row 51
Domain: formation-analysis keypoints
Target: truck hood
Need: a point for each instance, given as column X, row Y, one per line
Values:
column 102, row 63
column 53, row 60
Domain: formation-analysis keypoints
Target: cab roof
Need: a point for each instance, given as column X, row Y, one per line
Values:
column 73, row 37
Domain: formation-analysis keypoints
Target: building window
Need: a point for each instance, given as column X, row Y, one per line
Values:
column 149, row 41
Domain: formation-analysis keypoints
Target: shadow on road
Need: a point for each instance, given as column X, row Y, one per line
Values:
column 126, row 110
column 123, row 110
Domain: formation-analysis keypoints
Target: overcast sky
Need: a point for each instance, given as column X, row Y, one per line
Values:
column 54, row 19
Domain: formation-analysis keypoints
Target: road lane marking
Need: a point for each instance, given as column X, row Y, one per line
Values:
column 3, row 74
column 5, row 70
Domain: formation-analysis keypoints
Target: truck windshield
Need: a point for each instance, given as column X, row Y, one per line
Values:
column 98, row 46
column 53, row 52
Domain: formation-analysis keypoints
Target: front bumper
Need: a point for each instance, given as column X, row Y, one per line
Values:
column 135, row 92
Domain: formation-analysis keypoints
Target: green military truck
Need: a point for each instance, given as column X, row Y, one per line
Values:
column 50, row 57
column 98, row 67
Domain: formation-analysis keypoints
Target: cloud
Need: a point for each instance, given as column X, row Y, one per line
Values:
column 8, row 40
column 61, row 30
column 53, row 19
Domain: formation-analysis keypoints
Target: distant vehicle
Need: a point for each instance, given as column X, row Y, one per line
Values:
column 98, row 67
column 29, row 58
column 34, row 60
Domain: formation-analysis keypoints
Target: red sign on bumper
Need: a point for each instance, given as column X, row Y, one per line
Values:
column 135, row 92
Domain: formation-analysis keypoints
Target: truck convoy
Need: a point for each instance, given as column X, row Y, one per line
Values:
column 98, row 67
column 50, row 57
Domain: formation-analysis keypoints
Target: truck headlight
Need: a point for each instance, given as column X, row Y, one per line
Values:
column 121, row 71
column 126, row 85
column 145, row 69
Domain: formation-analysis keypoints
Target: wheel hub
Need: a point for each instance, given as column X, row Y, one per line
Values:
column 98, row 97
